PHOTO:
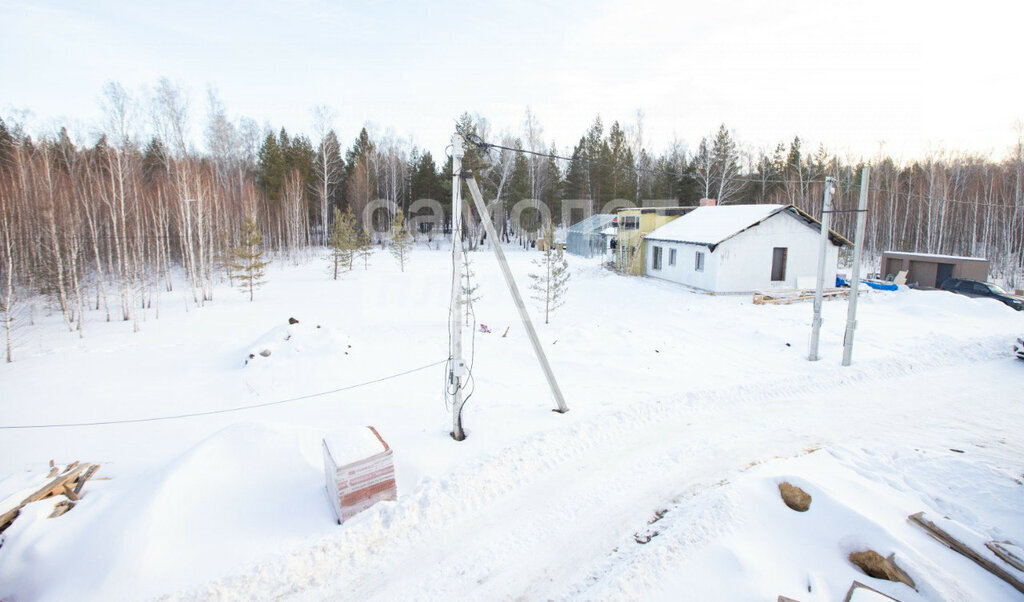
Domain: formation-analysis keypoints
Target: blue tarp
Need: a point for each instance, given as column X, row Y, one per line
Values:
column 881, row 286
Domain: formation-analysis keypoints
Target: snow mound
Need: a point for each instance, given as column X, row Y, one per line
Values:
column 739, row 541
column 353, row 444
column 248, row 487
column 292, row 341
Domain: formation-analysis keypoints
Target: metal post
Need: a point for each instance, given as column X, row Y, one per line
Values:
column 858, row 245
column 826, row 209
column 485, row 217
column 457, row 365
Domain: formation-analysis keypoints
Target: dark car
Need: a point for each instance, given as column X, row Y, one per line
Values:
column 973, row 288
column 1018, row 347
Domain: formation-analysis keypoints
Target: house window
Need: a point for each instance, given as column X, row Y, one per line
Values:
column 629, row 222
column 656, row 258
column 779, row 263
column 671, row 256
column 698, row 264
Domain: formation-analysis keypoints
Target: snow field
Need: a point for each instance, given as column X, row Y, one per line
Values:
column 679, row 402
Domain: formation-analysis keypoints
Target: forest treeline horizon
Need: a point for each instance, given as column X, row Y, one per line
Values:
column 109, row 225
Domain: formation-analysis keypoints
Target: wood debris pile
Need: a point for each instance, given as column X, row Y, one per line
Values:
column 68, row 483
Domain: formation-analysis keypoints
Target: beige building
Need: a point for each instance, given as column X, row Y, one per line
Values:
column 632, row 225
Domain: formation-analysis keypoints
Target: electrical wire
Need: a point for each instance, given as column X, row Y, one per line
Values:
column 478, row 142
column 224, row 410
column 486, row 147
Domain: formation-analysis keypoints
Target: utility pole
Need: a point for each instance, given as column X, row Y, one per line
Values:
column 456, row 365
column 826, row 212
column 858, row 246
column 538, row 350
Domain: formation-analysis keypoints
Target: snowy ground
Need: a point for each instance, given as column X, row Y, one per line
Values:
column 683, row 405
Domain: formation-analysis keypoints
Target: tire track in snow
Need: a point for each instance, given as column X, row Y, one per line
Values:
column 380, row 548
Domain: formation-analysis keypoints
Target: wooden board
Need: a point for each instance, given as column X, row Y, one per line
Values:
column 63, row 484
column 857, row 585
column 961, row 548
column 1008, row 553
column 787, row 296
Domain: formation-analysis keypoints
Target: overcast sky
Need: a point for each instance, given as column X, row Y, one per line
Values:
column 848, row 74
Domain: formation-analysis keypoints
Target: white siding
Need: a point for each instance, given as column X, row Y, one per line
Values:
column 743, row 263
column 684, row 271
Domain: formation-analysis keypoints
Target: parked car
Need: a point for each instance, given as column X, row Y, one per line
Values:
column 1018, row 348
column 973, row 288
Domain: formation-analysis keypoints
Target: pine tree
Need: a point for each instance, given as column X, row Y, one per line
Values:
column 469, row 289
column 364, row 246
column 248, row 266
column 342, row 241
column 401, row 239
column 271, row 167
column 551, row 283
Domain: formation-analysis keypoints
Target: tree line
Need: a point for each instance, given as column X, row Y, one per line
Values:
column 109, row 224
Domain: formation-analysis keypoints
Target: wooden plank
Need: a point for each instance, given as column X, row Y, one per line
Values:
column 963, row 549
column 54, row 487
column 61, row 507
column 88, row 475
column 69, row 492
column 1006, row 555
column 858, row 585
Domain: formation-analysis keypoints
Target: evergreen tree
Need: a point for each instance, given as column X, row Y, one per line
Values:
column 6, row 146
column 154, row 158
column 553, row 194
column 298, row 155
column 271, row 167
column 401, row 239
column 575, row 186
column 364, row 246
column 469, row 288
column 725, row 167
column 551, row 283
column 622, row 176
column 247, row 265
column 342, row 241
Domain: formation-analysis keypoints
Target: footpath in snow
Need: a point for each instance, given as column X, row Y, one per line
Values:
column 686, row 412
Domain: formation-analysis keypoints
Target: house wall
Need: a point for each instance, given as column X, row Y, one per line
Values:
column 626, row 239
column 684, row 271
column 744, row 262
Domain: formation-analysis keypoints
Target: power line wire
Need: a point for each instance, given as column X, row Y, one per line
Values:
column 475, row 140
column 225, row 410
column 478, row 142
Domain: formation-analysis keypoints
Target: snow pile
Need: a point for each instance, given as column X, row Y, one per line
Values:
column 352, row 444
column 291, row 342
column 739, row 541
column 243, row 489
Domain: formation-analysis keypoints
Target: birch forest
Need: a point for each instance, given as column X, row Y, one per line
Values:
column 101, row 224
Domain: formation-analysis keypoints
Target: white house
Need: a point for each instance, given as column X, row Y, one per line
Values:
column 741, row 248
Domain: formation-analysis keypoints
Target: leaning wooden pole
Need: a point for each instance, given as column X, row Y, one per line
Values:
column 485, row 217
column 858, row 248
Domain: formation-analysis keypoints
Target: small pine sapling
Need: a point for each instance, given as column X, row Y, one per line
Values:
column 342, row 241
column 551, row 282
column 470, row 287
column 248, row 267
column 364, row 246
column 401, row 239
